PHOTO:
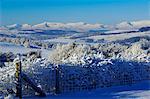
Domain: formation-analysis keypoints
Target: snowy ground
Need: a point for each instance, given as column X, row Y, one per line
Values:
column 9, row 47
column 114, row 37
column 91, row 49
column 140, row 90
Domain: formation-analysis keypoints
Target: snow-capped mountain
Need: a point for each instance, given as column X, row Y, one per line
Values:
column 49, row 26
column 26, row 27
column 17, row 27
column 133, row 25
column 14, row 26
column 143, row 23
column 124, row 25
column 79, row 26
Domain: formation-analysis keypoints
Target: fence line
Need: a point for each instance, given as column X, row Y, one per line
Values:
column 75, row 78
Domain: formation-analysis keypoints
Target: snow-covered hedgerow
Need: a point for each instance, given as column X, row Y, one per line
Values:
column 111, row 49
column 71, row 53
column 139, row 51
column 4, row 57
column 79, row 53
column 27, row 42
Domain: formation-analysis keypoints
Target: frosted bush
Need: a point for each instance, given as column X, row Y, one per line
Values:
column 112, row 49
column 65, row 53
column 78, row 54
column 139, row 51
column 82, row 53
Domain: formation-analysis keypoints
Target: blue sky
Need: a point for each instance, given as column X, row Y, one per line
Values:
column 90, row 11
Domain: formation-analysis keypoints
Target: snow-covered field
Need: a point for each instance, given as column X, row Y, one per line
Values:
column 9, row 47
column 121, row 36
column 83, row 50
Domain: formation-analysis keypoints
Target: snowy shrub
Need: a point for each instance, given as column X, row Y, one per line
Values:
column 79, row 53
column 111, row 49
column 139, row 51
column 5, row 57
column 82, row 53
column 7, row 78
column 145, row 44
column 70, row 53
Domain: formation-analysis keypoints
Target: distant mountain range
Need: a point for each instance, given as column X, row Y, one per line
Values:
column 133, row 25
column 78, row 26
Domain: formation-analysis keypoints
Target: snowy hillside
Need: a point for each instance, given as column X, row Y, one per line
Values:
column 105, row 64
column 77, row 57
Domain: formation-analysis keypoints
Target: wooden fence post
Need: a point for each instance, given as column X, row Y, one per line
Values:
column 18, row 79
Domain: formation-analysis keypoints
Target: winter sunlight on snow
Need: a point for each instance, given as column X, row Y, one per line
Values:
column 59, row 49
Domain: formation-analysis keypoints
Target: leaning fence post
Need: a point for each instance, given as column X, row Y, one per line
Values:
column 18, row 77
